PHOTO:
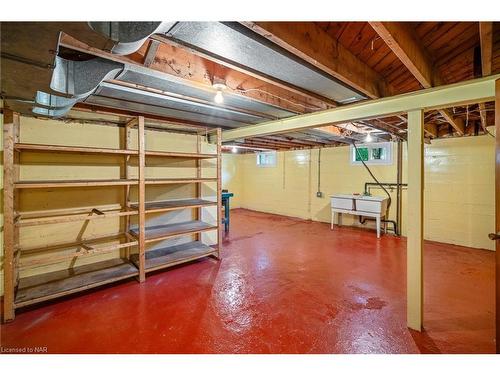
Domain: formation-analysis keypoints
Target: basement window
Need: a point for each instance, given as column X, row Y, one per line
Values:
column 266, row 159
column 372, row 154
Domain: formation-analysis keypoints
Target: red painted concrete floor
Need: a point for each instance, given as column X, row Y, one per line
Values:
column 283, row 286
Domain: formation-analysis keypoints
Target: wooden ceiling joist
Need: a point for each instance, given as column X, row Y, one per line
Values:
column 486, row 42
column 248, row 72
column 197, row 72
column 401, row 39
column 312, row 44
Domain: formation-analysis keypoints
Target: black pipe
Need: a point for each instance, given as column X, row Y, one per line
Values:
column 396, row 227
column 388, row 184
column 362, row 220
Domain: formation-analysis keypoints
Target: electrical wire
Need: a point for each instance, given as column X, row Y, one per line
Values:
column 244, row 91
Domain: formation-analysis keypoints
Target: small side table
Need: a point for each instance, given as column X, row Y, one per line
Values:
column 225, row 202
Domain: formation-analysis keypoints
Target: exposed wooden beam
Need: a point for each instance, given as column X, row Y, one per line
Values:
column 91, row 108
column 150, row 55
column 462, row 93
column 312, row 44
column 486, row 40
column 431, row 130
column 235, row 67
column 401, row 39
column 182, row 63
column 483, row 116
column 457, row 122
column 198, row 72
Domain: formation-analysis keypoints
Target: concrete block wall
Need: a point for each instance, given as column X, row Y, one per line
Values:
column 459, row 186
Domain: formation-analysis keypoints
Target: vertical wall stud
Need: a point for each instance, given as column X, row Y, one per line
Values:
column 415, row 240
column 8, row 215
column 142, row 200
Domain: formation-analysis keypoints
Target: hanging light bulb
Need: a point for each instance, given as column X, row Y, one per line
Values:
column 234, row 150
column 219, row 84
column 219, row 98
column 368, row 138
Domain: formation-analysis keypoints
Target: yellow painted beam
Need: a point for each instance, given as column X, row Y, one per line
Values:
column 415, row 238
column 462, row 93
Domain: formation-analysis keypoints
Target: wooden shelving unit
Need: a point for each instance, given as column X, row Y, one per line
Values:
column 20, row 290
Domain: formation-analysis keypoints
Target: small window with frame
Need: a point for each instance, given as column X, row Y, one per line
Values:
column 266, row 159
column 372, row 153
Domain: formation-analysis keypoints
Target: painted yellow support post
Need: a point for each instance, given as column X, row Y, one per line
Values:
column 142, row 198
column 415, row 241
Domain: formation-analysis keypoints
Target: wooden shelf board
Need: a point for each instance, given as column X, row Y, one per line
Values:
column 74, row 149
column 178, row 204
column 70, row 217
column 161, row 232
column 51, row 285
column 92, row 242
column 71, row 183
column 173, row 255
column 185, row 155
column 186, row 180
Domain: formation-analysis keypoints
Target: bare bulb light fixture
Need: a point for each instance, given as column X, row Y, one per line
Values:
column 368, row 138
column 219, row 84
column 219, row 98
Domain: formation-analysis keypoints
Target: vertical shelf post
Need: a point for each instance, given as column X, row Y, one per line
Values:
column 8, row 227
column 142, row 199
column 198, row 186
column 219, row 192
column 126, row 175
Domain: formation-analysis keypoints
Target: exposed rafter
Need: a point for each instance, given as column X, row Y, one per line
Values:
column 150, row 55
column 309, row 42
column 486, row 41
column 401, row 39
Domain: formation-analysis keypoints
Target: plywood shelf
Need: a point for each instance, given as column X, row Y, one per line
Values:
column 173, row 255
column 164, row 231
column 178, row 204
column 108, row 151
column 68, row 251
column 183, row 155
column 55, row 217
column 185, row 180
column 72, row 149
column 56, row 284
column 43, row 184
